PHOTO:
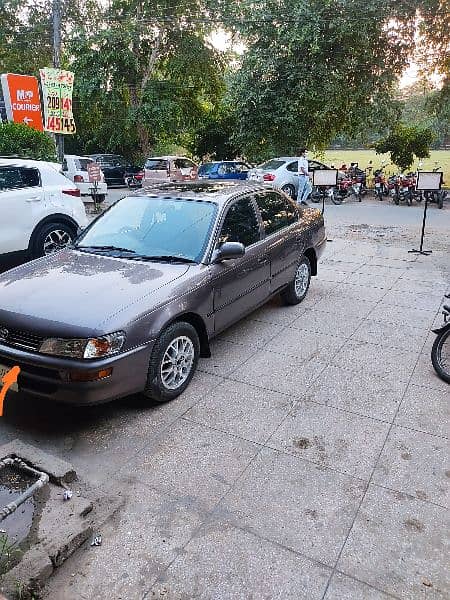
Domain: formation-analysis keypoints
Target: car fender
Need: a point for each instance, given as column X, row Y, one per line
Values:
column 53, row 217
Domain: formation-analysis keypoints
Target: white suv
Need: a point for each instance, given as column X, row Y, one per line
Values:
column 41, row 210
column 75, row 168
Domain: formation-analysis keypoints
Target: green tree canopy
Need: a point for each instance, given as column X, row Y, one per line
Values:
column 404, row 142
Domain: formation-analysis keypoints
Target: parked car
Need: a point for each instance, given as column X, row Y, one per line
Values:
column 226, row 169
column 165, row 270
column 41, row 210
column 282, row 172
column 115, row 168
column 169, row 168
column 75, row 168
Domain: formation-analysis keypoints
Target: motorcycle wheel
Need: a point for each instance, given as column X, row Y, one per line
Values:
column 440, row 199
column 418, row 196
column 441, row 363
column 396, row 200
column 336, row 199
column 409, row 198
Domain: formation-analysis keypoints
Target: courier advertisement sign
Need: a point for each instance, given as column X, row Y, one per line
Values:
column 57, row 87
column 22, row 100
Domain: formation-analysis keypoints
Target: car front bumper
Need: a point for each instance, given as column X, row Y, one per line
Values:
column 47, row 376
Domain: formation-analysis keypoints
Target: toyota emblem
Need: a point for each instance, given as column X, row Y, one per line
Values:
column 3, row 334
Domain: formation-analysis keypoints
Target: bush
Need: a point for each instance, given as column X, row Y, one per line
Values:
column 403, row 142
column 21, row 140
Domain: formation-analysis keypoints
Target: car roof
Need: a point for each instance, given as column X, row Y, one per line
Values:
column 221, row 162
column 27, row 162
column 77, row 156
column 213, row 191
column 168, row 157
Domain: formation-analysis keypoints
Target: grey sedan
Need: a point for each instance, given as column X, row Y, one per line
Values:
column 133, row 303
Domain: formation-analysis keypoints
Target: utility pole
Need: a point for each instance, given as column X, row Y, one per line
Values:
column 56, row 17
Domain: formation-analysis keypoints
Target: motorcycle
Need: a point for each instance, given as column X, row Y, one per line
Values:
column 436, row 196
column 133, row 178
column 402, row 188
column 440, row 352
column 320, row 194
column 381, row 184
column 347, row 186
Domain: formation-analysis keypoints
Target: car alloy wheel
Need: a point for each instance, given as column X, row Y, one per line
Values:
column 301, row 279
column 56, row 240
column 177, row 362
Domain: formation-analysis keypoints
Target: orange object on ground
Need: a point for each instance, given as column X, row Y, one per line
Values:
column 8, row 380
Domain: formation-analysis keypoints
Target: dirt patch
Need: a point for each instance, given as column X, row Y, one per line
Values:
column 302, row 443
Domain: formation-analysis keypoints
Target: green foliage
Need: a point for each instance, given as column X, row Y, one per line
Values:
column 21, row 140
column 214, row 138
column 403, row 142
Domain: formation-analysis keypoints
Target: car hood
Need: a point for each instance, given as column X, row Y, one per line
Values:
column 74, row 293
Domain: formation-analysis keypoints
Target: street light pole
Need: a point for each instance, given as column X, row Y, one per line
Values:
column 56, row 18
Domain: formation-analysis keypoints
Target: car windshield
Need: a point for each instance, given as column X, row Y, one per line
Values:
column 152, row 227
column 272, row 165
column 206, row 169
column 156, row 164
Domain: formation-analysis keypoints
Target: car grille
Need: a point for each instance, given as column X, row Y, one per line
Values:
column 24, row 340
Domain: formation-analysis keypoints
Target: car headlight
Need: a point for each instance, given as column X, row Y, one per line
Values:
column 84, row 348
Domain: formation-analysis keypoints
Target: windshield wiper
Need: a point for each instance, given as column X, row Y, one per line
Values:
column 105, row 248
column 162, row 258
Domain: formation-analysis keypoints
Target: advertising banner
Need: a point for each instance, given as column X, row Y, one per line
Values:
column 57, row 87
column 22, row 100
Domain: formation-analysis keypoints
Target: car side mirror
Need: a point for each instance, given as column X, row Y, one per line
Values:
column 228, row 251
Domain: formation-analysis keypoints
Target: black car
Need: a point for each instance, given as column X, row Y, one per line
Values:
column 115, row 168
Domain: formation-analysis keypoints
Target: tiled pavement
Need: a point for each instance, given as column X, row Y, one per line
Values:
column 308, row 459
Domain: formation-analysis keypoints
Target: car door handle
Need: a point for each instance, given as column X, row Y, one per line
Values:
column 34, row 198
column 263, row 260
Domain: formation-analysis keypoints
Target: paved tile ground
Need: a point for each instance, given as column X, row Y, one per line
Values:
column 308, row 459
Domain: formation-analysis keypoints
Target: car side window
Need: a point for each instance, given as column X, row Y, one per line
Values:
column 315, row 166
column 293, row 167
column 30, row 177
column 276, row 211
column 240, row 224
column 64, row 165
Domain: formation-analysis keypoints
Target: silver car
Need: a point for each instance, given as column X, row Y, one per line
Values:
column 282, row 172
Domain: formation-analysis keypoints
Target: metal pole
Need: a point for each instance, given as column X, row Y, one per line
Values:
column 56, row 17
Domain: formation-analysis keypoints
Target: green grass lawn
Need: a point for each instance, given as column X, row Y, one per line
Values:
column 362, row 157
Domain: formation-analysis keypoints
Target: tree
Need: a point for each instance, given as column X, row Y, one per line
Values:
column 18, row 139
column 403, row 142
column 313, row 70
column 213, row 138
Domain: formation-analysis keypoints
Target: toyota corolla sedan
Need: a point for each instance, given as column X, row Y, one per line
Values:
column 133, row 303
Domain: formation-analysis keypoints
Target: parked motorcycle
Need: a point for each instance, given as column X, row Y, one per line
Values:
column 440, row 353
column 381, row 183
column 133, row 179
column 349, row 185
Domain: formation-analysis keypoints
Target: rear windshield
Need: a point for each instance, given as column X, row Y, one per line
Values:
column 272, row 165
column 82, row 163
column 156, row 164
column 206, row 169
column 112, row 160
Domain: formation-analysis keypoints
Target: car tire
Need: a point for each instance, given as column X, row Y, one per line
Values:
column 55, row 234
column 289, row 190
column 296, row 291
column 164, row 383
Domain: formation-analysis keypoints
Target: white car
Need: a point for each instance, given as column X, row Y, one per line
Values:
column 75, row 168
column 41, row 210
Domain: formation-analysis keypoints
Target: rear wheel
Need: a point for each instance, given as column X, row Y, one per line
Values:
column 336, row 197
column 440, row 199
column 173, row 362
column 298, row 288
column 52, row 237
column 289, row 190
column 440, row 354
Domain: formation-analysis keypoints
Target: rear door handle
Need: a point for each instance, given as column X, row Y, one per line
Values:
column 34, row 199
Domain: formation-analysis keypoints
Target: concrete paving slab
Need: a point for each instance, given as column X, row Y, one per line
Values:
column 359, row 393
column 330, row 437
column 251, row 333
column 296, row 504
column 330, row 273
column 243, row 410
column 279, row 373
column 397, row 544
column 231, row 564
column 344, row 588
column 346, row 308
column 306, row 345
column 377, row 280
column 424, row 374
column 418, row 301
column 417, row 464
column 397, row 315
column 192, row 461
column 225, row 358
column 404, row 338
column 356, row 292
column 382, row 270
column 326, row 322
column 138, row 544
column 425, row 409
column 374, row 360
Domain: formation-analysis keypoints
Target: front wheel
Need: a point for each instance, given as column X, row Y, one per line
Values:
column 173, row 362
column 298, row 288
column 336, row 198
column 441, row 199
column 440, row 354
